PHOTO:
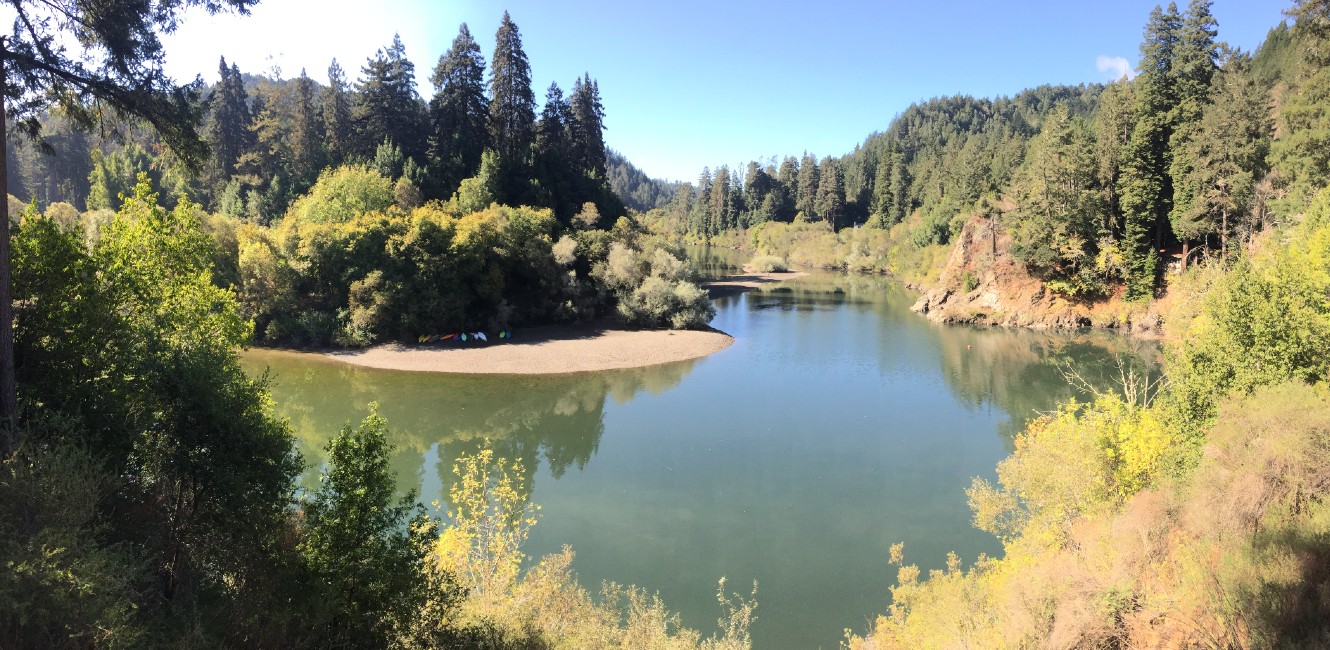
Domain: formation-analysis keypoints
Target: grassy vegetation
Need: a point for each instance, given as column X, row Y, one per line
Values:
column 1191, row 516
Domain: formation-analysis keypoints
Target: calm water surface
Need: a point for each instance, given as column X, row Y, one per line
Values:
column 836, row 425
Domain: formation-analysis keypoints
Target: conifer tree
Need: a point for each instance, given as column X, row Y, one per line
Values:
column 718, row 207
column 1193, row 69
column 512, row 110
column 307, row 154
column 788, row 177
column 700, row 217
column 1226, row 157
column 806, row 194
column 337, row 115
column 1146, row 188
column 554, row 152
column 830, row 202
column 389, row 107
column 458, row 111
column 1114, row 122
column 228, row 127
column 1301, row 155
column 587, row 126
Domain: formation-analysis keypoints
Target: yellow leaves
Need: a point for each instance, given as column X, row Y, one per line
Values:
column 491, row 519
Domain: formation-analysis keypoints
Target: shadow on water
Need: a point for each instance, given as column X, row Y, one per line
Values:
column 554, row 420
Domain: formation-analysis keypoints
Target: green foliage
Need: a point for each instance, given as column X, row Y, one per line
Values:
column 767, row 264
column 458, row 111
column 512, row 109
column 969, row 281
column 342, row 194
column 369, row 547
column 133, row 351
column 1264, row 323
column 388, row 108
column 1057, row 230
column 114, row 176
column 61, row 587
column 655, row 290
column 479, row 191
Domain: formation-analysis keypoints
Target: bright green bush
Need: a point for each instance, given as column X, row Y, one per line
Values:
column 343, row 194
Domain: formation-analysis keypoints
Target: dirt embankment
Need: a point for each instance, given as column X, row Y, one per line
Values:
column 982, row 284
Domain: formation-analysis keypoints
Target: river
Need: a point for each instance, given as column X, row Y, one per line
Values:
column 836, row 425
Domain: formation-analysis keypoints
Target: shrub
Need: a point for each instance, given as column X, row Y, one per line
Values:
column 768, row 264
column 342, row 194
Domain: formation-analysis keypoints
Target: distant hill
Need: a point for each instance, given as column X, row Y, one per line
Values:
column 637, row 190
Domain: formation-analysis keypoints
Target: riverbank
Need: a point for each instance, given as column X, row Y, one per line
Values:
column 733, row 285
column 546, row 350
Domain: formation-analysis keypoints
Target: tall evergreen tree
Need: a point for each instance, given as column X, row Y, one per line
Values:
column 1194, row 67
column 1301, row 155
column 512, row 111
column 389, row 107
column 700, row 217
column 554, row 152
column 307, row 153
column 1147, row 192
column 458, row 111
column 1114, row 122
column 1226, row 157
column 830, row 202
column 228, row 127
column 1056, row 228
column 1195, row 59
column 720, row 216
column 806, row 194
column 788, row 177
column 587, row 126
column 337, row 126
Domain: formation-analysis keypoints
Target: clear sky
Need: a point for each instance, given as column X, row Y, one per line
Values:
column 689, row 83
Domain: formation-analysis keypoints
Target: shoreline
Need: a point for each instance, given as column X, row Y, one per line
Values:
column 562, row 349
column 748, row 280
column 544, row 350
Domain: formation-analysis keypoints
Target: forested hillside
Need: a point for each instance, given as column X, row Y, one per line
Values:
column 148, row 493
column 270, row 138
column 1103, row 190
column 358, row 212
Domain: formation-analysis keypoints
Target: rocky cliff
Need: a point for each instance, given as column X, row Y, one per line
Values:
column 982, row 284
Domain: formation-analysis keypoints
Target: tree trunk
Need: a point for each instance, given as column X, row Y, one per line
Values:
column 1223, row 234
column 1186, row 251
column 8, row 387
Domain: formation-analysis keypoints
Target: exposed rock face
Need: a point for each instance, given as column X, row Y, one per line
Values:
column 982, row 284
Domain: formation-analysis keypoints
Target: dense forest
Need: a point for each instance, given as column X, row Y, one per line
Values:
column 1099, row 187
column 148, row 491
column 332, row 207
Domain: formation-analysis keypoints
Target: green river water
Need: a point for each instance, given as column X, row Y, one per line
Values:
column 836, row 425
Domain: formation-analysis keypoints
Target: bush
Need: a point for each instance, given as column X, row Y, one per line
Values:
column 342, row 194
column 768, row 264
column 654, row 292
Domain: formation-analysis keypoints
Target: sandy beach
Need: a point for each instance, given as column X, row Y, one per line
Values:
column 559, row 349
column 545, row 350
column 747, row 281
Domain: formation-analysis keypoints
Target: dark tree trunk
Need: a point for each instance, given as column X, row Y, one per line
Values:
column 8, row 387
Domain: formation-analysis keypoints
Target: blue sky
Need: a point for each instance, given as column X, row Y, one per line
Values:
column 688, row 83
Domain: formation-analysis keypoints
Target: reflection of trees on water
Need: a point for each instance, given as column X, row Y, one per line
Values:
column 1019, row 371
column 554, row 420
column 1023, row 371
